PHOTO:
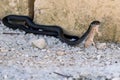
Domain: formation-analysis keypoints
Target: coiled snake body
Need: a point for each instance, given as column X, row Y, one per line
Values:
column 26, row 23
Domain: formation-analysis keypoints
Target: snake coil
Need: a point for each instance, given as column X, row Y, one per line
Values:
column 26, row 23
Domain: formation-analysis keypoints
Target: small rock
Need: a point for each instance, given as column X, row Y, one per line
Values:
column 65, row 79
column 116, row 75
column 12, row 49
column 40, row 43
column 80, row 52
column 43, row 50
column 48, row 51
column 119, row 46
column 60, row 53
column 99, row 57
column 82, row 78
column 116, row 79
column 45, row 57
column 109, row 77
column 5, row 76
column 3, row 50
column 26, row 55
column 1, row 61
column 76, row 76
column 70, row 78
column 101, row 78
column 101, row 45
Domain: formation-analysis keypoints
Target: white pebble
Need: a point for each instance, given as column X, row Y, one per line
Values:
column 116, row 79
column 98, row 57
column 40, row 43
column 5, row 76
column 70, row 78
column 60, row 53
column 3, row 50
column 76, row 76
column 101, row 45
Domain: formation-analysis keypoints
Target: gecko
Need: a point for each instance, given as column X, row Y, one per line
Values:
column 93, row 31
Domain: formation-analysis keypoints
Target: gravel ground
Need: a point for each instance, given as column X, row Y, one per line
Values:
column 20, row 60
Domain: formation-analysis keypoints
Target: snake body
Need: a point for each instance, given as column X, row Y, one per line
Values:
column 14, row 22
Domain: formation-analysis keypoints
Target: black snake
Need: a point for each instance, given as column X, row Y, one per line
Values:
column 26, row 23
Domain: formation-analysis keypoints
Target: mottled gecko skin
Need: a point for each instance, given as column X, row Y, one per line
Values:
column 94, row 30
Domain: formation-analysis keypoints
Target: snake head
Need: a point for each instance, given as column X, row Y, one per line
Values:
column 95, row 23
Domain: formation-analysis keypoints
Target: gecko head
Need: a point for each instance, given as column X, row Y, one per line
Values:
column 95, row 24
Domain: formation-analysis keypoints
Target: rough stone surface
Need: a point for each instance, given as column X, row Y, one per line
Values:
column 74, row 16
column 13, row 7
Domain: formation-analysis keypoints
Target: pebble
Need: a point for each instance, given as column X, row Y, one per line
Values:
column 40, row 43
column 109, row 77
column 1, row 61
column 119, row 45
column 99, row 57
column 5, row 77
column 12, row 49
column 101, row 78
column 76, row 76
column 70, row 78
column 116, row 79
column 101, row 45
column 60, row 53
column 118, row 48
column 3, row 50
